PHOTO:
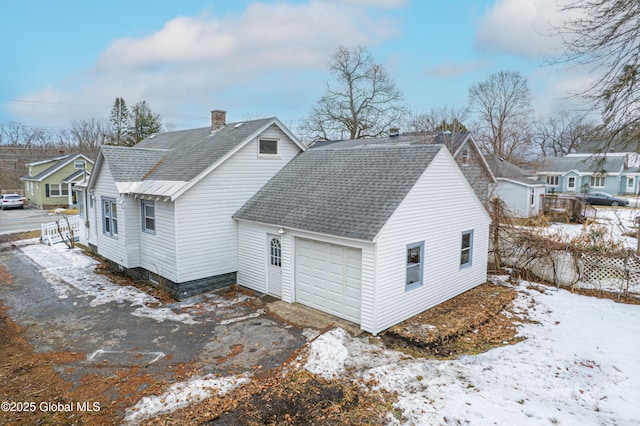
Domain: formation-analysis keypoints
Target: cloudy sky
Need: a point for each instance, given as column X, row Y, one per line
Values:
column 66, row 59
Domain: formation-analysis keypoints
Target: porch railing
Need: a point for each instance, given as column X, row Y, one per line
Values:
column 51, row 235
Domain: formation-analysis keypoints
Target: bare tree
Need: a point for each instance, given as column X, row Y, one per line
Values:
column 443, row 119
column 362, row 101
column 562, row 133
column 604, row 35
column 88, row 134
column 502, row 104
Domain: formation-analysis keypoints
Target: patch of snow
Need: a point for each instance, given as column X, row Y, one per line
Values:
column 578, row 365
column 328, row 353
column 180, row 395
column 310, row 333
column 66, row 268
column 238, row 319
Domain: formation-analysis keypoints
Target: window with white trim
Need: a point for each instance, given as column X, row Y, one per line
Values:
column 109, row 217
column 56, row 190
column 154, row 278
column 415, row 261
column 465, row 156
column 466, row 250
column 597, row 181
column 148, row 210
column 79, row 164
column 552, row 180
column 82, row 207
column 268, row 148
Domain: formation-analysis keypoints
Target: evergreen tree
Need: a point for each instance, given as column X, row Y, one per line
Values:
column 119, row 121
column 143, row 123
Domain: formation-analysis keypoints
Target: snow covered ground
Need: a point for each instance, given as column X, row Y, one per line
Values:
column 579, row 365
column 617, row 221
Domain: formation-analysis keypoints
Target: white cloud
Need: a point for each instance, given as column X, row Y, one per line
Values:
column 210, row 60
column 521, row 27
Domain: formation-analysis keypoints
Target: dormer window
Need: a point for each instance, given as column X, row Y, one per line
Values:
column 464, row 156
column 78, row 164
column 268, row 148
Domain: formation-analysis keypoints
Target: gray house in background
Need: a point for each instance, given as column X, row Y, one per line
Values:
column 520, row 190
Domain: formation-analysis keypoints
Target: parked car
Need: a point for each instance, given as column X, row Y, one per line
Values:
column 604, row 199
column 11, row 201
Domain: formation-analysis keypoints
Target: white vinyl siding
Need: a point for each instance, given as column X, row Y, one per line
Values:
column 206, row 235
column 156, row 251
column 422, row 216
column 111, row 248
column 517, row 198
column 252, row 260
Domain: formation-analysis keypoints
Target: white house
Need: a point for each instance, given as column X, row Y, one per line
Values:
column 367, row 233
column 521, row 191
column 162, row 209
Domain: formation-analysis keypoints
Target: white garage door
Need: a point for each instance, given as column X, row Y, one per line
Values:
column 328, row 278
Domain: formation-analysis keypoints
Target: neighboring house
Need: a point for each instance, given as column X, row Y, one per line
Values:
column 584, row 173
column 462, row 147
column 368, row 233
column 49, row 183
column 162, row 209
column 471, row 161
column 521, row 191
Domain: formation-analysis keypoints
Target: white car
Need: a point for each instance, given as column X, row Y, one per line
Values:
column 11, row 201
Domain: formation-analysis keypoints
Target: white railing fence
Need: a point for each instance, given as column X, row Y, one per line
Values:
column 50, row 234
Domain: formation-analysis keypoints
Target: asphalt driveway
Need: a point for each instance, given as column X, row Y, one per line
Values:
column 27, row 219
column 62, row 307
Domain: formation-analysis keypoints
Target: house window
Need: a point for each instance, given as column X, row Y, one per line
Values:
column 78, row 164
column 465, row 157
column 415, row 258
column 267, row 147
column 466, row 250
column 56, row 190
column 532, row 198
column 597, row 181
column 552, row 180
column 571, row 182
column 154, row 278
column 81, row 205
column 148, row 216
column 109, row 217
column 275, row 257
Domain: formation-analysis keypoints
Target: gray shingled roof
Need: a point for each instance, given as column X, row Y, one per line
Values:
column 58, row 163
column 503, row 169
column 347, row 192
column 590, row 164
column 192, row 151
column 131, row 164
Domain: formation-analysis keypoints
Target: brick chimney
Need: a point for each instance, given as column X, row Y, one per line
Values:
column 218, row 119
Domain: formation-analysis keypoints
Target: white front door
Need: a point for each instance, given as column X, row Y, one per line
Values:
column 274, row 261
column 630, row 185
